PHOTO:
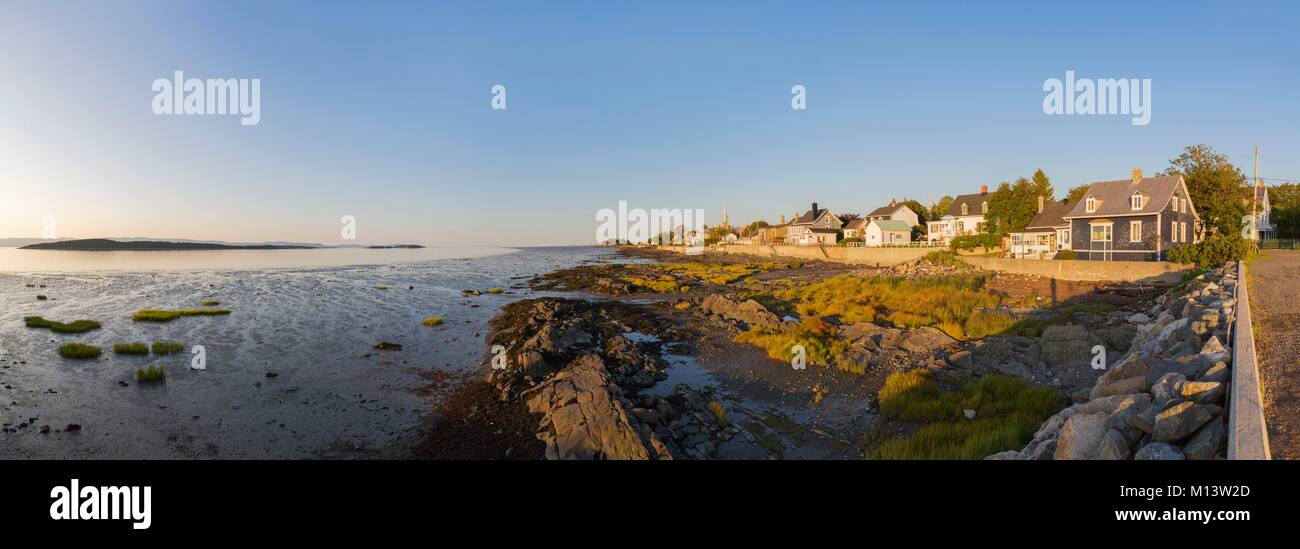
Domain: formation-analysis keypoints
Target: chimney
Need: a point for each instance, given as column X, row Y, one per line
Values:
column 984, row 189
column 892, row 203
column 814, row 210
column 1137, row 175
column 1040, row 203
column 783, row 219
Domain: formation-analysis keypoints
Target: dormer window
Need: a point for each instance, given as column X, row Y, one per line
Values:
column 965, row 209
column 1090, row 205
column 984, row 208
column 1135, row 201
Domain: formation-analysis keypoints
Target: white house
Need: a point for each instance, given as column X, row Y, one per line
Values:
column 882, row 232
column 1047, row 234
column 964, row 217
column 854, row 228
column 896, row 212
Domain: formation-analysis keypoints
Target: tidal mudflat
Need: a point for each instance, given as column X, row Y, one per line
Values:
column 291, row 371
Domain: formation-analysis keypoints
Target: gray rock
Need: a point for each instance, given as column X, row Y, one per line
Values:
column 1114, row 446
column 1081, row 436
column 1181, row 420
column 1007, row 455
column 1168, row 388
column 1207, row 443
column 960, row 359
column 1203, row 392
column 1063, row 346
column 1015, row 369
column 749, row 312
column 1217, row 373
column 1139, row 318
column 1042, row 450
column 926, row 339
column 1158, row 451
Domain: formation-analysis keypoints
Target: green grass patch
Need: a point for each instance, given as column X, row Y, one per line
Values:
column 902, row 302
column 165, row 315
column 495, row 291
column 150, row 374
column 720, row 412
column 817, row 336
column 946, row 258
column 130, row 348
column 79, row 350
column 167, row 347
column 432, row 321
column 209, row 303
column 1008, row 411
column 74, row 327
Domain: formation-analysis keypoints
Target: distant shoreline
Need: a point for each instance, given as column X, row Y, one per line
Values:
column 108, row 245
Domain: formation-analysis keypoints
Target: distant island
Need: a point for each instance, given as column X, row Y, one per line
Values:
column 110, row 245
column 104, row 244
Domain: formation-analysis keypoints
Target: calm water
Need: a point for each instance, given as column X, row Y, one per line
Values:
column 291, row 372
column 19, row 260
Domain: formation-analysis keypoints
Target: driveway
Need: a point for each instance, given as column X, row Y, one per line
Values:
column 1274, row 281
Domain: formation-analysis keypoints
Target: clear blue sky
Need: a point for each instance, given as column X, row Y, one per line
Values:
column 382, row 112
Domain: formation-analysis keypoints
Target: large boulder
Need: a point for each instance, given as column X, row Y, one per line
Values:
column 1158, row 451
column 749, row 312
column 1081, row 436
column 1203, row 392
column 584, row 418
column 1181, row 420
column 925, row 340
column 1065, row 346
column 1208, row 442
column 1114, row 446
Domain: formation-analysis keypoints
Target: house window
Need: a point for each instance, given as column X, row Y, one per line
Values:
column 1101, row 232
column 965, row 209
column 1176, row 204
column 1091, row 204
column 1063, row 239
column 1135, row 231
column 1136, row 201
column 1183, row 228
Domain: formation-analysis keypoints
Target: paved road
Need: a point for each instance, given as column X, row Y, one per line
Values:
column 1275, row 311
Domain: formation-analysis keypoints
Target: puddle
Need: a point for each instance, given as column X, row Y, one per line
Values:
column 682, row 370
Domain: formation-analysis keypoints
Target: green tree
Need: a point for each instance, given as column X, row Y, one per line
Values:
column 1215, row 186
column 922, row 212
column 940, row 208
column 1043, row 186
column 1012, row 206
column 1285, row 217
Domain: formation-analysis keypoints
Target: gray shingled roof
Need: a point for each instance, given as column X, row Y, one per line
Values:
column 856, row 223
column 972, row 200
column 884, row 210
column 1113, row 196
column 1053, row 215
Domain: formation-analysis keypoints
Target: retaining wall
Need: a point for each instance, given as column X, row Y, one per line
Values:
column 1247, row 436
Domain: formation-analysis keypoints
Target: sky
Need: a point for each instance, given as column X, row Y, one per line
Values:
column 383, row 111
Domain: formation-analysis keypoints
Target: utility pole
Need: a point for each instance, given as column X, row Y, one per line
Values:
column 1254, row 197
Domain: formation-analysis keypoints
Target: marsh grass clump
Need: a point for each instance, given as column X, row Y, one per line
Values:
column 40, row 297
column 1008, row 411
column 381, row 287
column 167, row 347
column 495, row 291
column 209, row 303
column 432, row 321
column 719, row 411
column 79, row 350
column 150, row 374
column 946, row 258
column 821, row 346
column 74, row 327
column 130, row 348
column 165, row 315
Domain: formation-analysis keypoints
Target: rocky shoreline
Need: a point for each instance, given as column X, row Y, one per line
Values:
column 592, row 373
column 1166, row 398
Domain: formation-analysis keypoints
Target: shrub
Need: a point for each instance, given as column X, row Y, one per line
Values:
column 431, row 321
column 167, row 347
column 79, row 350
column 972, row 241
column 130, row 348
column 150, row 374
column 946, row 258
column 1211, row 252
column 1066, row 255
column 74, row 327
column 495, row 291
column 719, row 411
column 162, row 315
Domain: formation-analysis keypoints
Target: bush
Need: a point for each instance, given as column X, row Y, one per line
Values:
column 79, row 350
column 1066, row 255
column 432, row 321
column 209, row 303
column 972, row 241
column 946, row 258
column 1211, row 252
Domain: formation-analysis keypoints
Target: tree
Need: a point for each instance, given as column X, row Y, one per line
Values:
column 1012, row 206
column 940, row 208
column 1077, row 193
column 922, row 212
column 847, row 217
column 1043, row 186
column 1214, row 185
column 1285, row 217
